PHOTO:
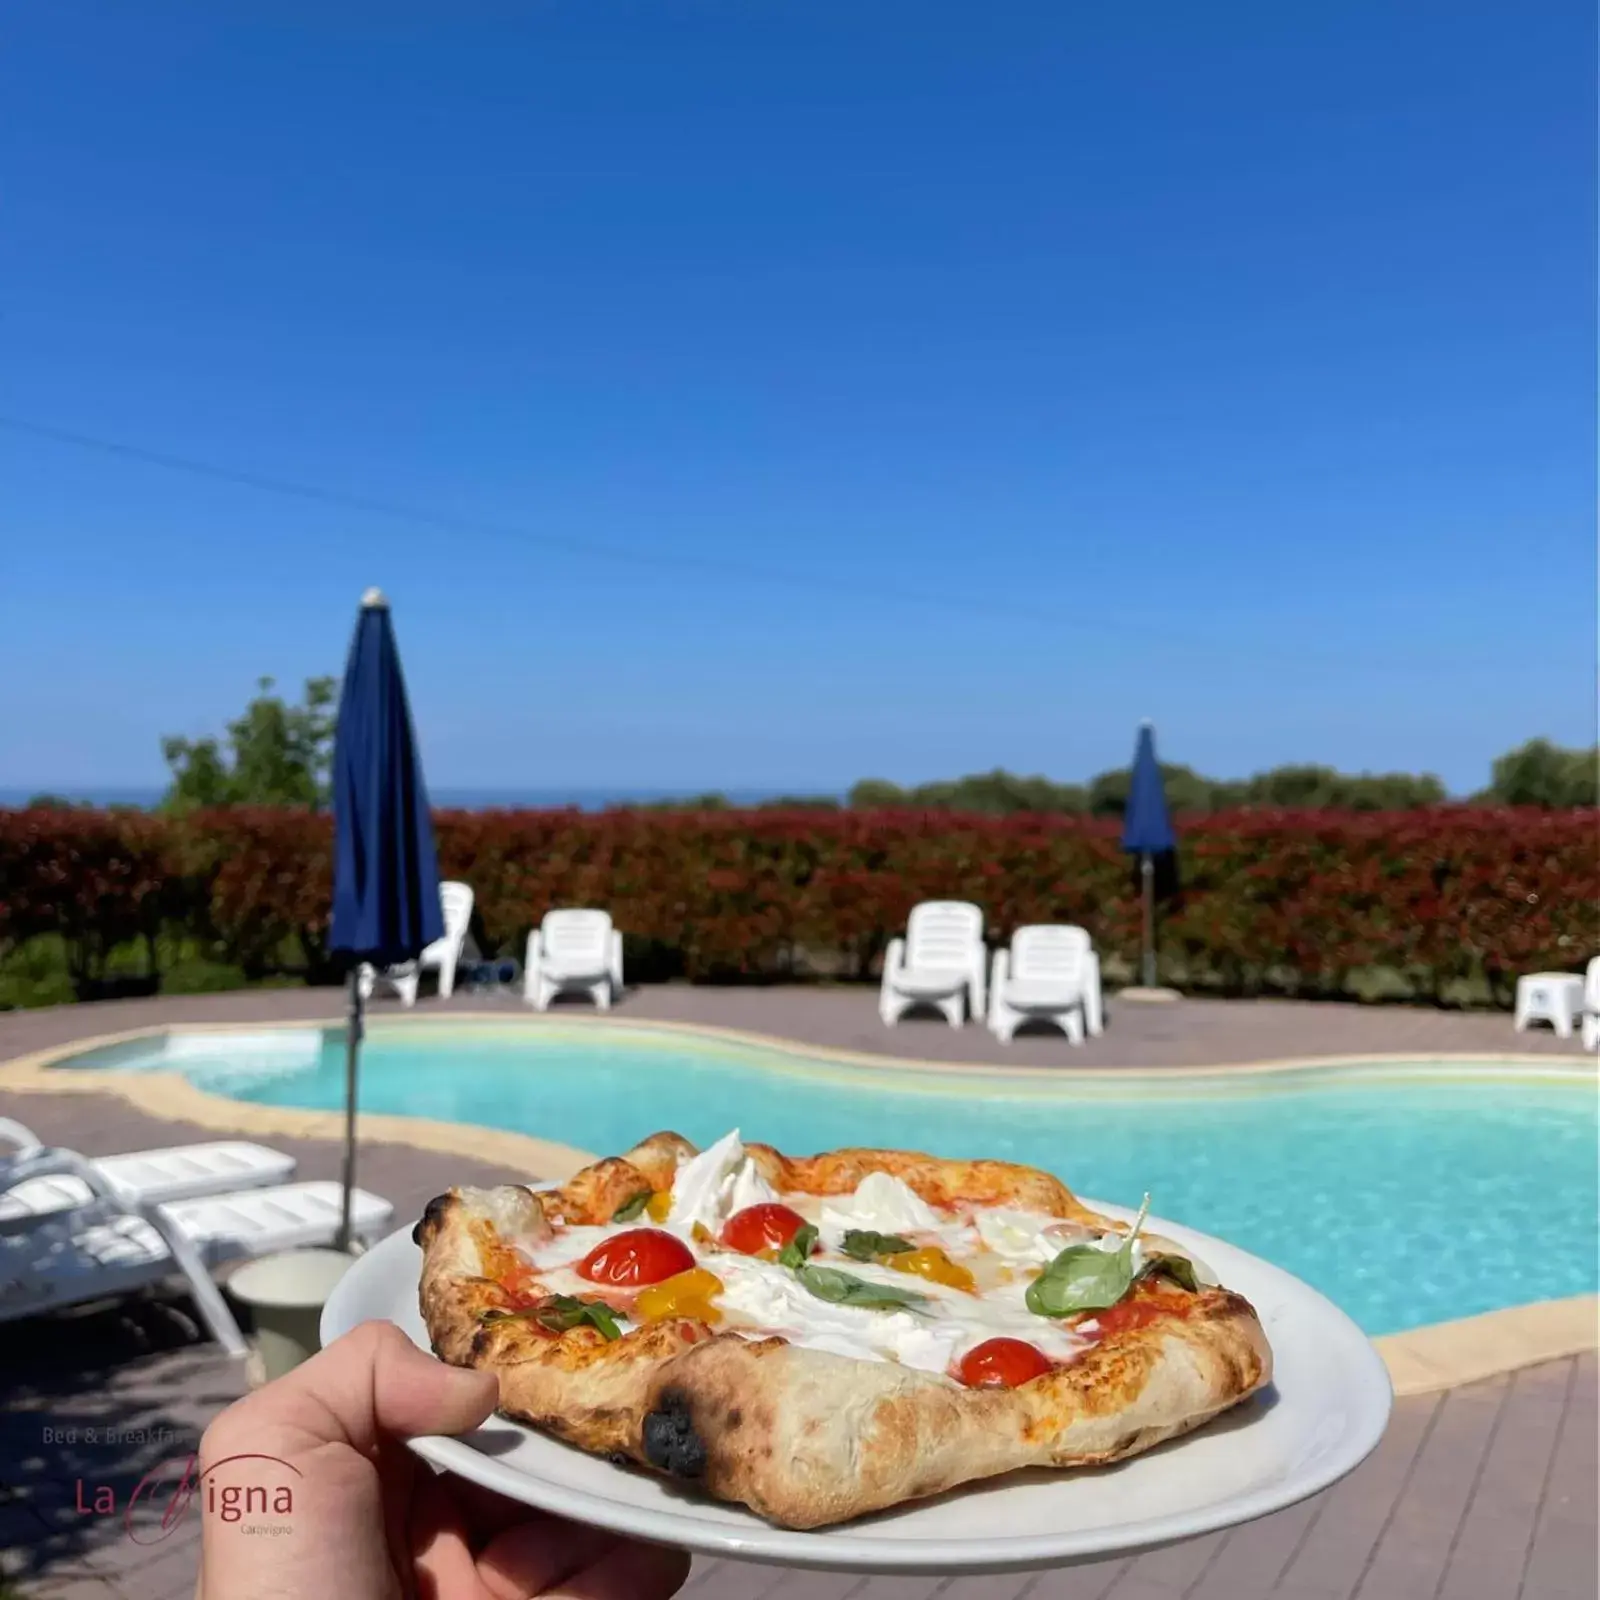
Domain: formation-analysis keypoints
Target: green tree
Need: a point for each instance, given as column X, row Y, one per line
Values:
column 1313, row 786
column 1537, row 773
column 1540, row 773
column 277, row 755
column 996, row 793
column 876, row 794
column 1185, row 788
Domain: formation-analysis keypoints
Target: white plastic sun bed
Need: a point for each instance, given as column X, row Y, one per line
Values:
column 443, row 955
column 110, row 1247
column 573, row 950
column 939, row 963
column 144, row 1177
column 1050, row 974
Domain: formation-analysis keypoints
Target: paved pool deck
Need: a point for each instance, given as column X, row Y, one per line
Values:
column 1188, row 1033
column 1483, row 1492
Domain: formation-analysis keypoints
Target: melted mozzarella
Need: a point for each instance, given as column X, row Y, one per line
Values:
column 1113, row 1242
column 711, row 1186
column 1032, row 1239
column 1029, row 1237
column 760, row 1298
column 569, row 1245
column 749, row 1188
column 881, row 1204
column 972, row 1318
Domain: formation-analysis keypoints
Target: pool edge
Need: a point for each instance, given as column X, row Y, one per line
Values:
column 1580, row 1064
column 1445, row 1355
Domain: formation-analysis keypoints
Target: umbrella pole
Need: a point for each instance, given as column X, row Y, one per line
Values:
column 1147, row 872
column 352, row 1049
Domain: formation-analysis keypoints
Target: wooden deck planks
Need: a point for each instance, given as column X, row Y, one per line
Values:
column 1496, row 1533
column 1562, row 1562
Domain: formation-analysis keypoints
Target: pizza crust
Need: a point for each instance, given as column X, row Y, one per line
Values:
column 804, row 1437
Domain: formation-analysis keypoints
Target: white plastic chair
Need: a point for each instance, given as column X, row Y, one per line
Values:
column 1559, row 998
column 1050, row 973
column 939, row 963
column 110, row 1246
column 573, row 951
column 455, row 901
column 1591, row 1006
column 143, row 1177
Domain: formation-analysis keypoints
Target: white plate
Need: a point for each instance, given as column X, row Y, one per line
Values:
column 1325, row 1411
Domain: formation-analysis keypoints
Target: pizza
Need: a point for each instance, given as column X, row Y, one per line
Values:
column 819, row 1337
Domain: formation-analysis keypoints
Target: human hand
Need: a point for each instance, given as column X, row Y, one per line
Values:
column 371, row 1521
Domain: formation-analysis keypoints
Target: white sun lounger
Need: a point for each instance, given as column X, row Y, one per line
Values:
column 444, row 954
column 111, row 1247
column 145, row 1177
column 939, row 963
column 573, row 950
column 1049, row 974
column 1591, row 1005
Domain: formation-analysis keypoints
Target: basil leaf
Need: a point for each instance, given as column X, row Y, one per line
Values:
column 1082, row 1278
column 631, row 1208
column 1086, row 1278
column 600, row 1316
column 864, row 1245
column 1179, row 1268
column 794, row 1254
column 841, row 1289
column 562, row 1312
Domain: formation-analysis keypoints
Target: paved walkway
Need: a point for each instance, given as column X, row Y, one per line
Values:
column 1484, row 1493
column 1189, row 1033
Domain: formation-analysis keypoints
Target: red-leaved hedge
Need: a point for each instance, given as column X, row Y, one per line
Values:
column 1272, row 902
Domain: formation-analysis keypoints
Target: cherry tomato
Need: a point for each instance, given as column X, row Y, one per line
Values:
column 1002, row 1364
column 758, row 1228
column 641, row 1255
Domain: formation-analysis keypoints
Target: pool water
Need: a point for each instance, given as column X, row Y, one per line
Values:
column 1409, row 1194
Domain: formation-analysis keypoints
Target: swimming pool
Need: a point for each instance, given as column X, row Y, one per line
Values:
column 1410, row 1193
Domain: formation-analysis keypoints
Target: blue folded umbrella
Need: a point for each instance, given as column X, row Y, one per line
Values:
column 386, row 905
column 1147, row 833
column 385, row 872
column 1146, row 827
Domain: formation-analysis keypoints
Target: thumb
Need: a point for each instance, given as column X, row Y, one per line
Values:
column 370, row 1385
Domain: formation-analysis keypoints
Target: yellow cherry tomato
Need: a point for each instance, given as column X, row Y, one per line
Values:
column 658, row 1205
column 932, row 1263
column 686, row 1295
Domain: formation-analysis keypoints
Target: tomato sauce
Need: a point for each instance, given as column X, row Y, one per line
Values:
column 522, row 1287
column 1138, row 1310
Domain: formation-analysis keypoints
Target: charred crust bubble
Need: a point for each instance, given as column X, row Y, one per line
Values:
column 670, row 1442
column 432, row 1217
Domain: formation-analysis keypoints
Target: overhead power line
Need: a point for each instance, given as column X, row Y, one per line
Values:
column 1081, row 612
column 477, row 527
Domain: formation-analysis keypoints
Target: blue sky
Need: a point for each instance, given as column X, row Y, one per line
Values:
column 819, row 389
